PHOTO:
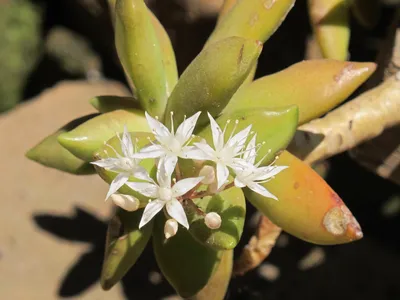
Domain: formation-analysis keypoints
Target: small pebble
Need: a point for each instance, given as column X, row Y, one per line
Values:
column 155, row 278
column 313, row 259
column 269, row 272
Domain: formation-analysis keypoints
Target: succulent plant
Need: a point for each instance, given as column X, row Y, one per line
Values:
column 201, row 145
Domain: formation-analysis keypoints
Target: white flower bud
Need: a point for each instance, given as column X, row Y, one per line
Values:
column 208, row 173
column 170, row 228
column 212, row 220
column 126, row 202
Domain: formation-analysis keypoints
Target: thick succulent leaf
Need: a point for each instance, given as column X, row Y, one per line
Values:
column 186, row 264
column 106, row 104
column 124, row 245
column 307, row 207
column 315, row 86
column 218, row 284
column 231, row 206
column 90, row 136
column 50, row 153
column 367, row 12
column 140, row 139
column 275, row 127
column 252, row 19
column 212, row 78
column 140, row 53
column 168, row 54
column 330, row 22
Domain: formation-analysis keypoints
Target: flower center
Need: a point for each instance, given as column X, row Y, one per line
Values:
column 127, row 163
column 165, row 194
column 174, row 145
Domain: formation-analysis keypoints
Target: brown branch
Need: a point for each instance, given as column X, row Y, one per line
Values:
column 258, row 247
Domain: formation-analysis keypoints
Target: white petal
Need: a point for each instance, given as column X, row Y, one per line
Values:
column 185, row 185
column 163, row 177
column 157, row 127
column 118, row 181
column 239, row 139
column 185, row 130
column 176, row 211
column 217, row 134
column 264, row 173
column 222, row 174
column 210, row 152
column 169, row 163
column 194, row 153
column 141, row 173
column 250, row 153
column 152, row 151
column 239, row 183
column 259, row 189
column 126, row 143
column 106, row 163
column 150, row 211
column 145, row 188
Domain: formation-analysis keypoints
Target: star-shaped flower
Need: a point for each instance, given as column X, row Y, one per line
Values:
column 164, row 195
column 126, row 164
column 171, row 145
column 249, row 174
column 224, row 154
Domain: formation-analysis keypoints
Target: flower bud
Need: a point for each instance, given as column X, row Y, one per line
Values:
column 212, row 220
column 170, row 228
column 208, row 173
column 127, row 202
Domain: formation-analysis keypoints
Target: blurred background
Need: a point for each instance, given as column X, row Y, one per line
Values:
column 55, row 56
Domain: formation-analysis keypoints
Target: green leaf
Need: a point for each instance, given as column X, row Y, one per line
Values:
column 50, row 153
column 140, row 139
column 106, row 104
column 218, row 284
column 252, row 19
column 140, row 53
column 212, row 78
column 315, row 86
column 186, row 264
column 231, row 206
column 274, row 127
column 330, row 23
column 87, row 138
column 123, row 249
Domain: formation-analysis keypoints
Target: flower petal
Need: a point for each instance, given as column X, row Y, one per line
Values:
column 118, row 181
column 106, row 163
column 169, row 162
column 259, row 189
column 157, row 127
column 185, row 185
column 222, row 174
column 185, row 130
column 176, row 211
column 163, row 173
column 145, row 188
column 250, row 154
column 264, row 173
column 239, row 183
column 194, row 153
column 206, row 148
column 152, row 151
column 126, row 143
column 239, row 139
column 217, row 134
column 150, row 211
column 141, row 173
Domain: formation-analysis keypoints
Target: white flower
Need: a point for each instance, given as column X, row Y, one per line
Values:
column 249, row 174
column 223, row 154
column 126, row 165
column 164, row 195
column 171, row 145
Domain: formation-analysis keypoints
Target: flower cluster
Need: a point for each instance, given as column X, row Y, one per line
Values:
column 229, row 156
